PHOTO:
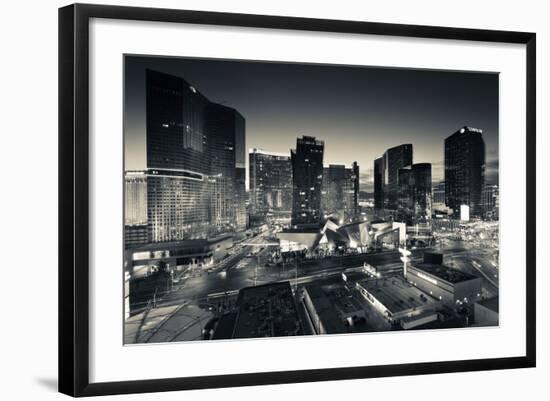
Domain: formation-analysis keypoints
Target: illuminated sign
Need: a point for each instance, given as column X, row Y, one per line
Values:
column 471, row 129
column 427, row 278
column 464, row 212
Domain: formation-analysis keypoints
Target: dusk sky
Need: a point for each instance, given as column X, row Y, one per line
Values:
column 359, row 112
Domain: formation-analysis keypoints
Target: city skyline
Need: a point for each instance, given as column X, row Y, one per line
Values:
column 303, row 252
column 340, row 105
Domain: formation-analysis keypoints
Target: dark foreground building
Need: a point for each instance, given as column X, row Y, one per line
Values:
column 263, row 311
column 307, row 179
column 465, row 170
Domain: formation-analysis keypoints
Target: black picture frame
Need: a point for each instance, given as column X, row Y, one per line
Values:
column 74, row 198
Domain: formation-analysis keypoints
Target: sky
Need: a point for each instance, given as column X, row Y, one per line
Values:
column 358, row 111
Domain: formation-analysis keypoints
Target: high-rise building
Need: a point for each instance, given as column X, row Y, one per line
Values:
column 135, row 198
column 415, row 194
column 333, row 190
column 135, row 235
column 175, row 119
column 438, row 193
column 135, row 208
column 395, row 158
column 379, row 173
column 241, row 198
column 194, row 148
column 178, row 205
column 439, row 206
column 340, row 191
column 225, row 129
column 386, row 175
column 270, row 182
column 490, row 201
column 354, row 178
column 307, row 179
column 465, row 170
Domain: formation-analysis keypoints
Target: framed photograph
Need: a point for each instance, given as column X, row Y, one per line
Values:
column 250, row 199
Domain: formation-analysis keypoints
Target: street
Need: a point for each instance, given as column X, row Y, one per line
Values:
column 247, row 266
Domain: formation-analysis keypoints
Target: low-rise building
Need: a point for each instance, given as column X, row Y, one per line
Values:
column 451, row 286
column 263, row 311
column 176, row 255
column 330, row 308
column 397, row 299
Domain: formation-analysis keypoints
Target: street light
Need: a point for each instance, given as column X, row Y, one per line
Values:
column 405, row 253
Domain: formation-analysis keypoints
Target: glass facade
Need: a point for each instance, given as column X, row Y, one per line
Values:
column 270, row 182
column 194, row 150
column 307, row 179
column 379, row 173
column 415, row 194
column 175, row 124
column 438, row 193
column 340, row 191
column 490, row 201
column 465, row 170
column 135, row 198
column 394, row 159
column 241, row 199
column 178, row 207
column 135, row 235
column 225, row 128
column 355, row 179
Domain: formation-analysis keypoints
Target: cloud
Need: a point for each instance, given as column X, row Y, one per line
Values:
column 366, row 177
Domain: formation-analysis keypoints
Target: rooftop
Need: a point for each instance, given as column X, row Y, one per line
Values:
column 268, row 153
column 353, row 276
column 444, row 272
column 188, row 243
column 310, row 140
column 302, row 230
column 267, row 311
column 341, row 299
column 332, row 305
column 396, row 294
